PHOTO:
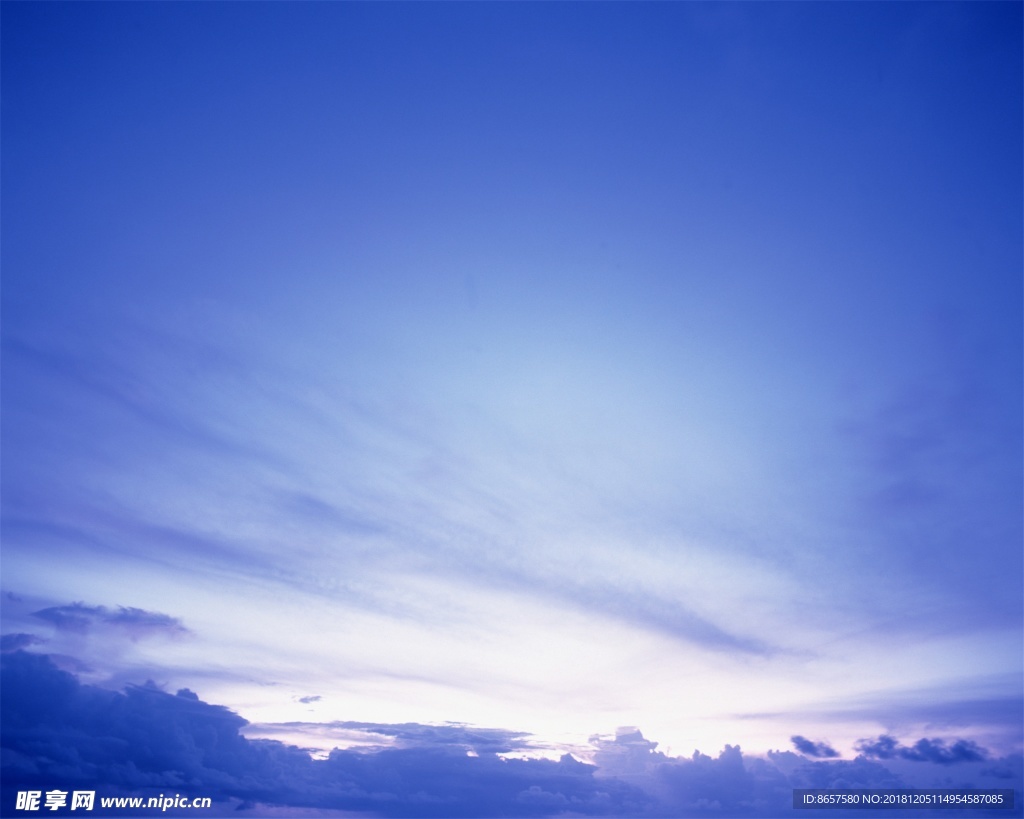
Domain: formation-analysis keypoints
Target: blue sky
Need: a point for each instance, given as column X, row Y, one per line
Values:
column 560, row 371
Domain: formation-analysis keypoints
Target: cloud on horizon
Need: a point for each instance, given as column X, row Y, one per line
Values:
column 819, row 750
column 994, row 703
column 143, row 740
column 924, row 750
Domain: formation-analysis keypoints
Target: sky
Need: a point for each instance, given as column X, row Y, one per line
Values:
column 589, row 408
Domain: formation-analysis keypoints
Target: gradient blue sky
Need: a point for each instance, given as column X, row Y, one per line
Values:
column 546, row 368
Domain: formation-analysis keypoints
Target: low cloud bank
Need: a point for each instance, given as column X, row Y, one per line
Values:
column 60, row 733
column 924, row 750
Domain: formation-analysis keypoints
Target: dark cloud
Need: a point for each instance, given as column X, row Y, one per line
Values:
column 924, row 750
column 77, row 617
column 58, row 730
column 14, row 642
column 145, row 741
column 819, row 750
column 135, row 622
column 443, row 782
column 310, row 699
column 885, row 747
column 845, row 774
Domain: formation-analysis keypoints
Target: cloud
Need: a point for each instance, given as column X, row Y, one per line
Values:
column 146, row 741
column 80, row 618
column 377, row 736
column 57, row 729
column 885, row 747
column 821, row 750
column 441, row 782
column 14, row 642
column 77, row 617
column 845, row 774
column 456, row 735
column 310, row 699
column 924, row 750
column 727, row 785
column 993, row 702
